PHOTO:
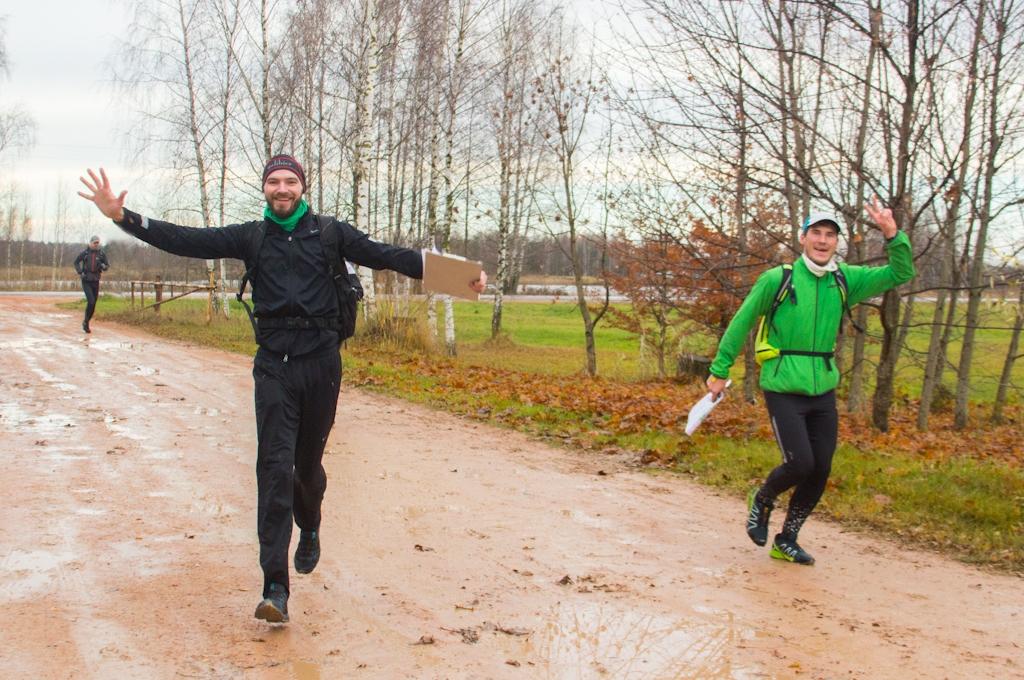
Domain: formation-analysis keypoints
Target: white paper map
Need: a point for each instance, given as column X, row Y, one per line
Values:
column 702, row 408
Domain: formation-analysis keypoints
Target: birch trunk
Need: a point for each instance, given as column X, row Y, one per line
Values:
column 364, row 144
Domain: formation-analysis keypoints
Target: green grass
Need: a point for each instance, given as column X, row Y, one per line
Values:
column 544, row 337
column 969, row 509
column 972, row 510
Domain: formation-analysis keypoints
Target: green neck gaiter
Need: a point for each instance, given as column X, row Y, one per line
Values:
column 287, row 223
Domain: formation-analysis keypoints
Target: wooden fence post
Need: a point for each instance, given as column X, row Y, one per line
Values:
column 158, row 290
column 209, row 299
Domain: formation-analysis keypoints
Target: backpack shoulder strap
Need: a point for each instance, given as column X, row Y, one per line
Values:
column 844, row 294
column 329, row 241
column 785, row 289
column 252, row 257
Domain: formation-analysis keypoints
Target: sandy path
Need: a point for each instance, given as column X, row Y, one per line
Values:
column 128, row 548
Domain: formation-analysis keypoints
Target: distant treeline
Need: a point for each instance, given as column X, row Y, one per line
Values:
column 134, row 260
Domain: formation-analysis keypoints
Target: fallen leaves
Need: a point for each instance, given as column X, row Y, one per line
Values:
column 595, row 412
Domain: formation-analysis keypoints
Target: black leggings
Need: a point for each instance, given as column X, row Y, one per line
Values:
column 805, row 429
column 92, row 291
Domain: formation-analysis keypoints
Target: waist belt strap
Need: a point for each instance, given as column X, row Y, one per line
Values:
column 827, row 356
column 293, row 322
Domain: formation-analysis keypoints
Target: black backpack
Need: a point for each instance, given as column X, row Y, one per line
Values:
column 346, row 285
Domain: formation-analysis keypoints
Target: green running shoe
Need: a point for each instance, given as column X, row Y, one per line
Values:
column 788, row 550
column 757, row 518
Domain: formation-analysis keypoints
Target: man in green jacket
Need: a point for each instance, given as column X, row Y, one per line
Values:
column 799, row 383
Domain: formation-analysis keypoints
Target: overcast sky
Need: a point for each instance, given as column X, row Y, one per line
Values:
column 56, row 50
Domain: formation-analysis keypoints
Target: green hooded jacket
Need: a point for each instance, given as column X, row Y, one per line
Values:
column 811, row 324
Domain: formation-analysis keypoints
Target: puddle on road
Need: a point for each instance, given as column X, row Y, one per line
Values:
column 205, row 411
column 23, row 573
column 411, row 513
column 64, row 457
column 162, row 455
column 43, row 345
column 122, row 430
column 13, row 417
column 583, row 640
column 585, row 519
column 212, row 508
column 53, row 380
column 107, row 346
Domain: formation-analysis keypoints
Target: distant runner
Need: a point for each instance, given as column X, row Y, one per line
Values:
column 90, row 264
column 803, row 307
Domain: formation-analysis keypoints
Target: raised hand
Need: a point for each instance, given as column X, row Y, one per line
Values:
column 881, row 216
column 103, row 196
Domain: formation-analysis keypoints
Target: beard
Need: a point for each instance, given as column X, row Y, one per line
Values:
column 282, row 206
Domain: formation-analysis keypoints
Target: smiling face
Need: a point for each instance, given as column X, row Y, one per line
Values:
column 820, row 242
column 283, row 189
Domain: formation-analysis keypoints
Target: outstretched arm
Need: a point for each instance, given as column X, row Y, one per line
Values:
column 103, row 196
column 358, row 248
column 208, row 243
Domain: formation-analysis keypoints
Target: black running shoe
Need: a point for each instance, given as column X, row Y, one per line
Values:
column 787, row 549
column 85, row 327
column 757, row 518
column 274, row 607
column 307, row 553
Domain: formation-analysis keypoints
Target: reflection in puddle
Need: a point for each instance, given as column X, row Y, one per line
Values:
column 590, row 641
column 305, row 671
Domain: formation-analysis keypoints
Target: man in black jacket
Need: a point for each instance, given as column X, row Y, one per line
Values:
column 297, row 368
column 90, row 264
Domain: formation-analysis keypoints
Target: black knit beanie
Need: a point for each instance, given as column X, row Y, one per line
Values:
column 284, row 162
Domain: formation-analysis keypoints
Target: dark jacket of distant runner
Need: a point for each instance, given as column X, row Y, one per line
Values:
column 292, row 275
column 91, row 263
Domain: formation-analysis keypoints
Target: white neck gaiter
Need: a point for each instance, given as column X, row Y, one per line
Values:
column 820, row 270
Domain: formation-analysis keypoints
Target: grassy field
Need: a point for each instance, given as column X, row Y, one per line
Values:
column 963, row 503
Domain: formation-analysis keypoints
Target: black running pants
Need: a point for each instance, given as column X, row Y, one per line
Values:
column 295, row 405
column 92, row 292
column 806, row 429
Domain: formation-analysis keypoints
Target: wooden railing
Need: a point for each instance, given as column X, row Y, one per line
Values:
column 176, row 291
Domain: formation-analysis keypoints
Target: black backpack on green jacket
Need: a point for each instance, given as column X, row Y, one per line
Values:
column 763, row 351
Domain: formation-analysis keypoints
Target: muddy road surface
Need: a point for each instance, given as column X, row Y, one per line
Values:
column 451, row 549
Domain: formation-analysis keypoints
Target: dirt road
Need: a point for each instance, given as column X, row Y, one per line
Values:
column 128, row 547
